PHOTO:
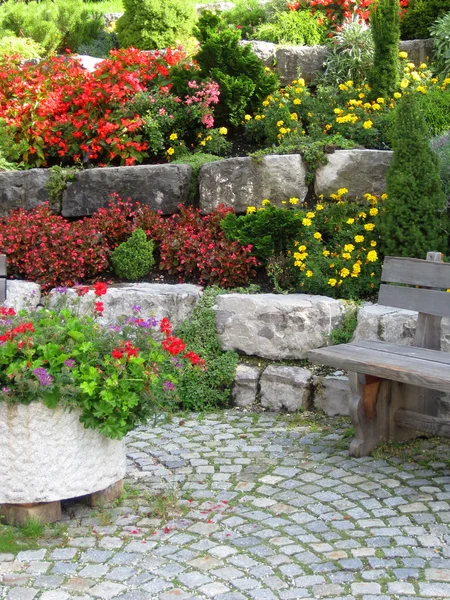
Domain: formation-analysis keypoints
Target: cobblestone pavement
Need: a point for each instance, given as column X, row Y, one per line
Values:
column 265, row 510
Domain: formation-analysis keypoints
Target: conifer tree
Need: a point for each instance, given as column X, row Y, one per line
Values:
column 413, row 219
column 385, row 26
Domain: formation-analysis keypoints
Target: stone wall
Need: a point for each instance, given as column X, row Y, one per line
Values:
column 235, row 182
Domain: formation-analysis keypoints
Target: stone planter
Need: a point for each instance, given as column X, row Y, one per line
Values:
column 47, row 456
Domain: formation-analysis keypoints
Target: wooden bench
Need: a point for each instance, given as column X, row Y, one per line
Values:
column 396, row 389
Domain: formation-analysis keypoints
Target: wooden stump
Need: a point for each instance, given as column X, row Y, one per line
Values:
column 20, row 514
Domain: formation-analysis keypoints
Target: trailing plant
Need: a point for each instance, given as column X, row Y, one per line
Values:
column 385, row 24
column 413, row 220
column 116, row 377
column 343, row 333
column 211, row 388
column 56, row 184
column 300, row 28
column 153, row 24
column 133, row 259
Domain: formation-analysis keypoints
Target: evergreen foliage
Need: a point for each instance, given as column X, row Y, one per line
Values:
column 385, row 22
column 413, row 216
column 243, row 81
column 153, row 24
column 420, row 16
column 133, row 259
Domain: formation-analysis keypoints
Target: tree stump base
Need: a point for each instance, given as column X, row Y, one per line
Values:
column 50, row 512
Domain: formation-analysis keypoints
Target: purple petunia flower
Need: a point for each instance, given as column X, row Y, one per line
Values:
column 44, row 377
column 136, row 308
column 70, row 363
column 60, row 290
column 168, row 385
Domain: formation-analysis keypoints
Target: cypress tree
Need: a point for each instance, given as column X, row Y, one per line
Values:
column 413, row 219
column 385, row 25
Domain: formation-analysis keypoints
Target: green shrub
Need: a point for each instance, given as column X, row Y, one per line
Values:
column 440, row 33
column 243, row 81
column 269, row 231
column 351, row 54
column 385, row 22
column 101, row 46
column 247, row 15
column 435, row 107
column 133, row 259
column 55, row 26
column 293, row 27
column 413, row 216
column 211, row 388
column 153, row 24
column 25, row 47
column 441, row 146
column 420, row 16
column 10, row 151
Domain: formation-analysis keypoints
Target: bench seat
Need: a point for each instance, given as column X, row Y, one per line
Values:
column 407, row 364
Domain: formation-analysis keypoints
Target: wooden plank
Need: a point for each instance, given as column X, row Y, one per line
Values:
column 430, row 302
column 431, row 425
column 414, row 371
column 428, row 328
column 2, row 265
column 413, row 271
column 434, row 356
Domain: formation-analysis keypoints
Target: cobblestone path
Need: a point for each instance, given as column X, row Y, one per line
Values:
column 259, row 509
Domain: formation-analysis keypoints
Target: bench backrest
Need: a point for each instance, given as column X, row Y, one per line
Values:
column 418, row 274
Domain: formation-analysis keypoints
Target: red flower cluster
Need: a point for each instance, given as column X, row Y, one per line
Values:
column 337, row 11
column 12, row 333
column 173, row 345
column 6, row 312
column 165, row 326
column 99, row 308
column 65, row 112
column 176, row 346
column 100, row 289
column 126, row 349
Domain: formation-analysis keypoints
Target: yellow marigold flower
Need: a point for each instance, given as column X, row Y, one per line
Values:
column 281, row 105
column 248, row 117
column 350, row 221
column 372, row 256
column 298, row 263
column 367, row 124
column 310, row 215
column 338, row 111
column 411, row 65
column 209, row 138
column 302, row 248
column 404, row 83
column 346, row 255
column 349, row 248
column 258, row 118
column 306, row 222
column 310, row 114
column 331, row 265
column 349, row 83
column 421, row 89
column 328, row 127
column 380, row 100
column 170, row 151
column 403, row 54
column 373, row 243
column 309, row 273
column 356, row 268
column 342, row 191
column 343, row 87
column 384, row 196
column 203, row 143
column 373, row 275
column 294, row 117
column 344, row 273
column 332, row 282
column 283, row 130
column 319, row 206
column 318, row 235
column 301, row 81
column 251, row 209
column 369, row 226
column 361, row 95
column 224, row 130
column 376, row 106
column 265, row 202
column 173, row 136
column 294, row 201
column 326, row 253
column 362, row 215
column 422, row 66
column 280, row 123
column 397, row 95
column 266, row 103
column 359, row 239
column 367, row 105
column 297, row 101
column 373, row 212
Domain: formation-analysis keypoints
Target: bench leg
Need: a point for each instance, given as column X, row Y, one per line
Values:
column 369, row 410
column 416, row 400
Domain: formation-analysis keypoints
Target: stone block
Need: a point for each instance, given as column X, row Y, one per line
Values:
column 360, row 171
column 286, row 388
column 276, row 327
column 161, row 187
column 419, row 51
column 265, row 51
column 23, row 189
column 20, row 514
column 332, row 394
column 300, row 61
column 22, row 294
column 243, row 182
column 177, row 302
column 245, row 385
